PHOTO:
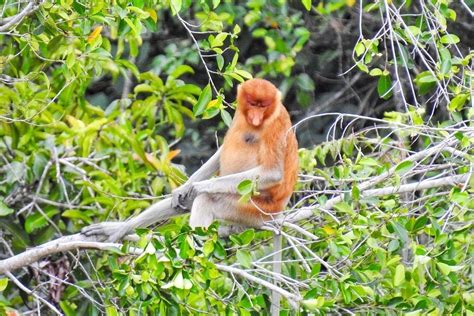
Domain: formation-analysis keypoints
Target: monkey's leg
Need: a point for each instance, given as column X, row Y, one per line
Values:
column 228, row 184
column 202, row 211
column 114, row 231
column 209, row 207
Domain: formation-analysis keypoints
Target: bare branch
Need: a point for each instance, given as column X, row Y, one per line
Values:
column 293, row 299
column 307, row 212
column 417, row 186
column 62, row 244
column 7, row 23
column 30, row 292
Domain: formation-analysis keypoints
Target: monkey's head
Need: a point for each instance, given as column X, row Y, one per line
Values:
column 257, row 99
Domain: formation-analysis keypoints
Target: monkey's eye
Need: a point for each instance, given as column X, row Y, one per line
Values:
column 256, row 103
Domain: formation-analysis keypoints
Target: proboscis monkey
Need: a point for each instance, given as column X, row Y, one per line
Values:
column 260, row 145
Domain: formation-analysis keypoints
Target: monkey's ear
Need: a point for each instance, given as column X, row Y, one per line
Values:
column 238, row 89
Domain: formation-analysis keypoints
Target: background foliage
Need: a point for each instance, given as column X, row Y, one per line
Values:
column 103, row 103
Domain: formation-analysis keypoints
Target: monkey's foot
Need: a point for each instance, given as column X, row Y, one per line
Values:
column 108, row 231
column 183, row 197
column 227, row 230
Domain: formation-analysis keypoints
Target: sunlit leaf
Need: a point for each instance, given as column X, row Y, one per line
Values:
column 244, row 258
column 4, row 209
column 399, row 276
column 203, row 100
column 307, row 4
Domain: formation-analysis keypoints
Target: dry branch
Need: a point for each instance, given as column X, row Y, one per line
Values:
column 8, row 22
column 62, row 244
column 307, row 212
column 293, row 299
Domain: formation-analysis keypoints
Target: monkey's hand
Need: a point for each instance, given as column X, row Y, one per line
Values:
column 107, row 231
column 183, row 197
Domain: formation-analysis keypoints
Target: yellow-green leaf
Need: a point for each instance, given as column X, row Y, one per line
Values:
column 399, row 276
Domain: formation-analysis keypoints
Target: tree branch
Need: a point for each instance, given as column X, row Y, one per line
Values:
column 30, row 292
column 61, row 244
column 307, row 212
column 8, row 22
column 293, row 299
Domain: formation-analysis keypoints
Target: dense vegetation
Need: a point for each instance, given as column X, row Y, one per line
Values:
column 106, row 107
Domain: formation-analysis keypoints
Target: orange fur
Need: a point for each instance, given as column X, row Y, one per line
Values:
column 261, row 134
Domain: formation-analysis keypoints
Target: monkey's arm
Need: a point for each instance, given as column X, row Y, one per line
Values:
column 161, row 210
column 113, row 231
column 183, row 196
column 208, row 169
column 265, row 178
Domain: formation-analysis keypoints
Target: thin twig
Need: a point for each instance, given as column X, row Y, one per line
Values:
column 30, row 292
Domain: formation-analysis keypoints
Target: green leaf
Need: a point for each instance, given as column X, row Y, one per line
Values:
column 446, row 62
column 355, row 192
column 37, row 220
column 344, row 207
column 450, row 39
column 237, row 29
column 218, row 41
column 400, row 231
column 404, row 167
column 393, row 245
column 368, row 161
column 143, row 87
column 384, row 86
column 247, row 236
column 176, row 6
column 362, row 67
column 208, row 247
column 307, row 4
column 399, row 276
column 425, row 77
column 414, row 30
column 220, row 62
column 181, row 70
column 305, row 82
column 245, row 187
column 182, row 283
column 359, row 49
column 4, row 209
column 425, row 81
column 77, row 214
column 203, row 100
column 20, row 239
column 446, row 269
column 243, row 73
column 314, row 303
column 3, row 284
column 457, row 102
column 376, row 72
column 244, row 258
column 420, row 223
column 226, row 117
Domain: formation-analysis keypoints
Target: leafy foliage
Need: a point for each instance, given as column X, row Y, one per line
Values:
column 95, row 96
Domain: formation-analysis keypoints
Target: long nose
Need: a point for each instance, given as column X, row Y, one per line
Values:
column 255, row 116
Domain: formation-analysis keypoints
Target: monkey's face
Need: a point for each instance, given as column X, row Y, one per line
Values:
column 256, row 99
